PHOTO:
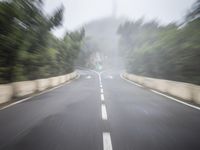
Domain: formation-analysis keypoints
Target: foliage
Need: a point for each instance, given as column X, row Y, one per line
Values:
column 27, row 48
column 167, row 52
column 194, row 12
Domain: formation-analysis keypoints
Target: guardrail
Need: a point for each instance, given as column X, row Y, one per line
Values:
column 186, row 91
column 25, row 88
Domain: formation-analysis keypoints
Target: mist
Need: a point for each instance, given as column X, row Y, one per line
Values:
column 79, row 13
column 99, row 74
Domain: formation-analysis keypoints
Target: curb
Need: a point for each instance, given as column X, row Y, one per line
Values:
column 37, row 94
column 160, row 93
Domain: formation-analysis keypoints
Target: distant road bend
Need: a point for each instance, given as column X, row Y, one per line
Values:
column 100, row 111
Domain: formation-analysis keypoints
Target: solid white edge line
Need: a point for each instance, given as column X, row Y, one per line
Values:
column 130, row 81
column 107, row 143
column 170, row 97
column 37, row 94
column 104, row 112
column 102, row 97
column 177, row 100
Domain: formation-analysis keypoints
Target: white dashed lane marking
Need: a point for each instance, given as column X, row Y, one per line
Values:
column 107, row 143
column 104, row 112
column 88, row 77
column 102, row 97
column 111, row 77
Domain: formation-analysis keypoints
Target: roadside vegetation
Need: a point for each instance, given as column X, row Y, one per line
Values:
column 28, row 49
column 163, row 51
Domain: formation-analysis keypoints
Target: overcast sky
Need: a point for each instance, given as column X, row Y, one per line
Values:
column 80, row 12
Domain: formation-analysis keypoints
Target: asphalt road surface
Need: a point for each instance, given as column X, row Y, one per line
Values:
column 100, row 112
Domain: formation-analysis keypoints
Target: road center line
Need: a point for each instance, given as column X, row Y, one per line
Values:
column 111, row 77
column 88, row 77
column 99, row 78
column 107, row 144
column 104, row 112
column 101, row 90
column 100, row 82
column 102, row 97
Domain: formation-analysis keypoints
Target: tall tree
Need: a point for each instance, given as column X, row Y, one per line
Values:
column 23, row 37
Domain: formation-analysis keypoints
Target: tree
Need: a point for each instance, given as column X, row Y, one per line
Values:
column 166, row 52
column 194, row 12
column 23, row 33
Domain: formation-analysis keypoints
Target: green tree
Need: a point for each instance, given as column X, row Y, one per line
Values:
column 167, row 52
column 23, row 33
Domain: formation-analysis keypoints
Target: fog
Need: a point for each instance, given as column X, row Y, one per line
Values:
column 102, row 18
column 80, row 12
column 141, row 37
column 99, row 74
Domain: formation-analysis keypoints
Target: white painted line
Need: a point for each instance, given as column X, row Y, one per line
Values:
column 100, row 78
column 137, row 84
column 15, row 103
column 101, row 86
column 37, row 94
column 130, row 81
column 111, row 77
column 101, row 90
column 104, row 112
column 170, row 97
column 100, row 82
column 25, row 99
column 88, row 77
column 179, row 101
column 102, row 97
column 107, row 143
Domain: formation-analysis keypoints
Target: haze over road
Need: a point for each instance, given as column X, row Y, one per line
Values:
column 99, row 112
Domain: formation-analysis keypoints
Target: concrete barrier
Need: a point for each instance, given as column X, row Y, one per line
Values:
column 74, row 75
column 62, row 79
column 21, row 89
column 181, row 90
column 67, row 78
column 185, row 91
column 6, row 93
column 24, row 88
column 42, row 84
column 161, row 85
column 71, row 76
column 196, row 94
column 54, row 81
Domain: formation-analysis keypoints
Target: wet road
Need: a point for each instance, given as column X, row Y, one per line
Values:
column 99, row 112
